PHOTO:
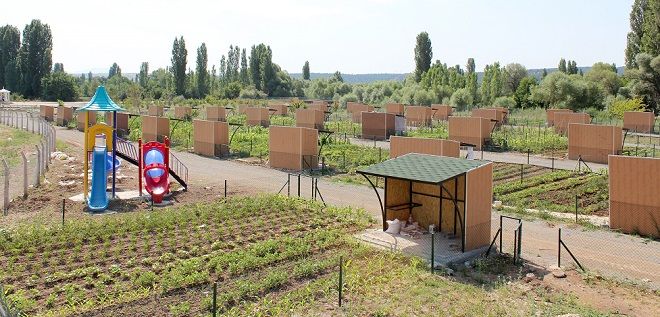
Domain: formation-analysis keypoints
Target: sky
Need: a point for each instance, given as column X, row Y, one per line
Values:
column 352, row 36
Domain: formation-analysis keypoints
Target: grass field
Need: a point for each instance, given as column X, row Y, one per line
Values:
column 270, row 255
column 13, row 141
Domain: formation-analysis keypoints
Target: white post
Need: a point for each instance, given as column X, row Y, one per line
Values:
column 38, row 170
column 6, row 202
column 25, row 175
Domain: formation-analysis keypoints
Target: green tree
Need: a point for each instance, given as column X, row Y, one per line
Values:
column 58, row 68
column 471, row 79
column 179, row 60
column 10, row 44
column 59, row 86
column 245, row 76
column 423, row 55
column 524, row 91
column 618, row 107
column 202, row 72
column 636, row 31
column 650, row 40
column 644, row 81
column 513, row 74
column 560, row 90
column 266, row 71
column 562, row 66
column 35, row 57
column 461, row 98
column 143, row 76
column 337, row 77
column 496, row 82
column 605, row 77
column 305, row 71
column 114, row 70
column 571, row 68
column 545, row 73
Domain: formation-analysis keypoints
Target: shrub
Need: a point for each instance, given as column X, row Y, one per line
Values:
column 619, row 106
column 59, row 86
column 461, row 99
column 505, row 101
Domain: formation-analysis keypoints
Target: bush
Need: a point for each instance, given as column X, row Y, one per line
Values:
column 251, row 93
column 619, row 106
column 59, row 86
column 505, row 101
column 461, row 99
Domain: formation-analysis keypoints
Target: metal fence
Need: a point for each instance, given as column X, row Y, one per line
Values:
column 15, row 179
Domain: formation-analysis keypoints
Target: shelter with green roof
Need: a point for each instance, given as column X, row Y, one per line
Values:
column 453, row 194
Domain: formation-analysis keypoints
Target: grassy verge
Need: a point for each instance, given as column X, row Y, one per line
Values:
column 13, row 141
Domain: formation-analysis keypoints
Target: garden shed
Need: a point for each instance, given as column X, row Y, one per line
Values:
column 637, row 121
column 441, row 112
column 64, row 115
column 5, row 95
column 593, row 143
column 293, row 148
column 472, row 131
column 310, row 118
column 211, row 138
column 279, row 109
column 122, row 122
column 319, row 105
column 80, row 117
column 563, row 119
column 403, row 145
column 257, row 116
column 214, row 113
column 156, row 111
column 356, row 110
column 453, row 194
column 183, row 112
column 634, row 199
column 378, row 125
column 418, row 116
column 495, row 116
column 550, row 115
column 47, row 112
column 395, row 108
column 155, row 128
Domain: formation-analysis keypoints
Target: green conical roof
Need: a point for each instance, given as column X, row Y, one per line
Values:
column 101, row 102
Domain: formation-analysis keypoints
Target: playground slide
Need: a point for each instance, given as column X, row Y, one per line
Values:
column 98, row 199
column 156, row 180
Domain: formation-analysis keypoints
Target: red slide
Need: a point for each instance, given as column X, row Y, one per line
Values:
column 156, row 170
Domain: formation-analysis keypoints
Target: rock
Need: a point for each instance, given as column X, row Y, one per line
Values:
column 529, row 277
column 497, row 204
column 59, row 155
column 559, row 273
column 70, row 183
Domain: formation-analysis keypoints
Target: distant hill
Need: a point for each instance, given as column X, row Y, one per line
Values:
column 356, row 78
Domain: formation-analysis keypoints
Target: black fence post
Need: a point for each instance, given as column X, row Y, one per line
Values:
column 225, row 189
column 559, row 249
column 553, row 164
column 380, row 154
column 288, row 185
column 341, row 278
column 63, row 208
column 432, row 250
column 576, row 208
column 214, row 308
column 501, row 233
column 298, row 185
column 528, row 156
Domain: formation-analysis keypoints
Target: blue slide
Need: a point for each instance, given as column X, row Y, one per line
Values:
column 98, row 199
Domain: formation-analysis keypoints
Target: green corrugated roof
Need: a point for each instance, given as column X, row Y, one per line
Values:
column 101, row 102
column 422, row 167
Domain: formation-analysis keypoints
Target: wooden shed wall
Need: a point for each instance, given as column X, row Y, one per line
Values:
column 404, row 145
column 593, row 142
column 257, row 116
column 155, row 128
column 634, row 197
column 211, row 138
column 470, row 130
column 64, row 115
column 310, row 118
column 357, row 109
column 288, row 145
column 377, row 125
column 496, row 116
column 319, row 105
column 214, row 113
column 637, row 121
column 550, row 115
column 122, row 120
column 418, row 115
column 182, row 112
column 80, row 118
column 479, row 206
column 395, row 108
column 441, row 112
column 563, row 119
column 156, row 111
column 280, row 109
column 47, row 112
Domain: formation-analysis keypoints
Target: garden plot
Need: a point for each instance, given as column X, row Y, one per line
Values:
column 115, row 264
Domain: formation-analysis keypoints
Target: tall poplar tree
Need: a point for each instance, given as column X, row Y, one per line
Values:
column 562, row 66
column 305, row 71
column 10, row 44
column 423, row 55
column 245, row 77
column 179, row 56
column 143, row 76
column 202, row 72
column 35, row 57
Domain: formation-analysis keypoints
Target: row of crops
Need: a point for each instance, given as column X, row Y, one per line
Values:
column 248, row 245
